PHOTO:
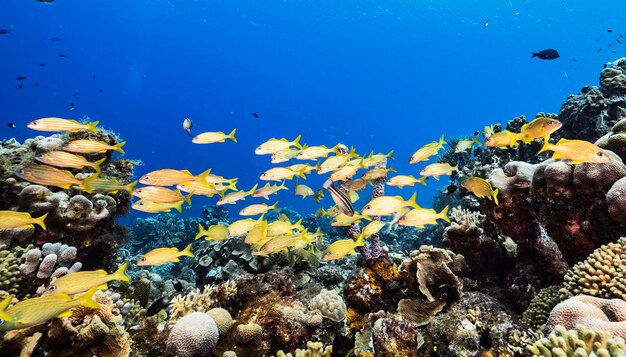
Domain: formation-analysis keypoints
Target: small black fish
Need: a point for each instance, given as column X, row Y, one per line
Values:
column 47, row 1
column 622, row 36
column 36, row 84
column 56, row 39
column 11, row 125
column 609, row 30
column 256, row 115
column 548, row 54
column 19, row 86
column 450, row 189
column 100, row 90
column 613, row 52
column 177, row 285
column 72, row 104
column 599, row 49
column 42, row 65
column 4, row 31
column 157, row 306
column 618, row 41
column 93, row 77
column 476, row 133
column 574, row 59
column 20, row 78
column 75, row 94
column 62, row 55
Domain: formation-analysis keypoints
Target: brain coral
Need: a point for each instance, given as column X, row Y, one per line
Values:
column 195, row 335
column 223, row 320
column 580, row 343
column 330, row 304
column 604, row 314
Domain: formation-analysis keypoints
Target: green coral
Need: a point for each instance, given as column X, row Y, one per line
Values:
column 540, row 306
column 581, row 342
column 10, row 275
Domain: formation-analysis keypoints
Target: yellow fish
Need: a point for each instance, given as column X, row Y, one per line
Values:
column 199, row 188
column 377, row 173
column 160, row 194
column 214, row 179
column 315, row 152
column 541, row 127
column 578, row 151
column 4, row 317
column 85, row 146
column 335, row 162
column 480, row 187
column 99, row 184
column 257, row 234
column 170, row 177
column 426, row 151
column 488, row 131
column 50, row 176
column 353, row 196
column 36, row 311
column 356, row 184
column 420, row 217
column 375, row 159
column 233, row 197
column 211, row 137
column 258, row 208
column 61, row 125
column 343, row 247
column 403, row 180
column 502, row 139
column 332, row 212
column 304, row 168
column 465, row 144
column 243, row 226
column 303, row 190
column 283, row 227
column 14, row 219
column 81, row 281
column 161, row 256
column 279, row 243
column 216, row 232
column 385, row 205
column 343, row 220
column 372, row 228
column 155, row 207
column 280, row 173
column 347, row 171
column 66, row 159
column 285, row 155
column 268, row 190
column 273, row 146
column 438, row 169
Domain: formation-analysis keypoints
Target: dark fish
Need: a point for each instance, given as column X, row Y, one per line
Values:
column 157, row 306
column 177, row 285
column 100, row 90
column 93, row 77
column 20, row 78
column 36, row 84
column 19, row 86
column 42, row 65
column 11, row 125
column 71, row 105
column 62, row 55
column 574, row 59
column 613, row 52
column 56, row 39
column 609, row 30
column 548, row 54
column 319, row 194
column 4, row 31
column 476, row 133
column 618, row 41
column 450, row 189
column 599, row 49
column 341, row 200
column 256, row 115
column 75, row 94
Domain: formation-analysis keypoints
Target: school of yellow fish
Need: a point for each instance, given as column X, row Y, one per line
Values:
column 265, row 238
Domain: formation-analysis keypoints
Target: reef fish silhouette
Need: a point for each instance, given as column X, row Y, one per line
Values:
column 548, row 54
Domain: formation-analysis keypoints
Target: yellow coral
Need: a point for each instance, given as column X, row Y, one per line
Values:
column 354, row 320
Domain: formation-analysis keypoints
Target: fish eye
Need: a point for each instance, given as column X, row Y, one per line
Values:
column 34, row 123
column 550, row 122
column 264, row 248
column 403, row 218
column 143, row 259
column 52, row 288
column 368, row 207
column 147, row 177
column 464, row 182
column 329, row 253
column 138, row 190
column 140, row 203
column 21, row 172
column 1, row 322
column 600, row 154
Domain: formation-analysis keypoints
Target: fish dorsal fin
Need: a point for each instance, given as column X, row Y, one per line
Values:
column 524, row 127
column 175, row 260
column 283, row 217
column 66, row 313
column 186, row 171
column 562, row 141
column 100, row 271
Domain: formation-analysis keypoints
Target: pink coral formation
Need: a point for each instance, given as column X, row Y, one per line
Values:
column 591, row 312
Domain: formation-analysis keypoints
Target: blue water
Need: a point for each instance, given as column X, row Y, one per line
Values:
column 379, row 75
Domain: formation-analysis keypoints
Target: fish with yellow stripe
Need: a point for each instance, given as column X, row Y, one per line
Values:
column 343, row 220
column 81, row 281
column 147, row 206
column 170, row 177
column 268, row 190
column 316, row 152
column 53, row 124
column 303, row 190
column 577, row 151
column 386, row 205
column 160, row 194
column 285, row 155
column 480, row 187
column 216, row 232
column 214, row 137
column 257, row 234
column 380, row 158
column 200, row 188
column 243, row 226
column 69, row 160
column 502, row 139
column 280, row 243
column 233, row 197
column 39, row 310
column 259, row 208
column 273, row 145
column 86, row 146
column 405, row 180
column 373, row 227
column 51, row 176
column 438, row 169
column 335, row 162
column 281, row 173
column 540, row 127
column 101, row 184
column 161, row 256
column 343, row 247
column 14, row 219
column 419, row 217
column 426, row 151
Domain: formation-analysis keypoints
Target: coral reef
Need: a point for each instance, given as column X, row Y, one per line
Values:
column 579, row 342
column 330, row 304
column 194, row 335
column 591, row 312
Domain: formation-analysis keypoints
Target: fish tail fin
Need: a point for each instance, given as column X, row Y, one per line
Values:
column 301, row 173
column 444, row 214
column 92, row 127
column 179, row 206
column 96, row 165
column 4, row 304
column 412, row 201
column 533, row 55
column 442, row 142
column 187, row 251
column 231, row 136
column 545, row 147
column 495, row 196
column 476, row 140
column 130, row 187
column 203, row 176
column 40, row 221
column 253, row 189
column 360, row 241
column 201, row 231
column 422, row 180
column 120, row 274
column 391, row 169
column 87, row 183
column 456, row 168
column 87, row 299
column 296, row 141
column 389, row 155
column 118, row 147
column 275, row 206
column 336, row 149
column 298, row 224
column 232, row 184
column 187, row 198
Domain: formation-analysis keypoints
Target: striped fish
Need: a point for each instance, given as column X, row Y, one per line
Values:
column 61, row 125
column 341, row 200
column 111, row 186
column 160, row 194
column 48, row 176
column 14, row 219
column 66, row 159
column 85, row 146
column 199, row 188
column 272, row 146
column 154, row 207
column 169, row 177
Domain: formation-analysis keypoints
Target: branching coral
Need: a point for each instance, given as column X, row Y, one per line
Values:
column 201, row 301
column 579, row 342
column 10, row 276
column 540, row 306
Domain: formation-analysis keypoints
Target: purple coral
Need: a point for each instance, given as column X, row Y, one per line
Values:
column 32, row 261
column 47, row 266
